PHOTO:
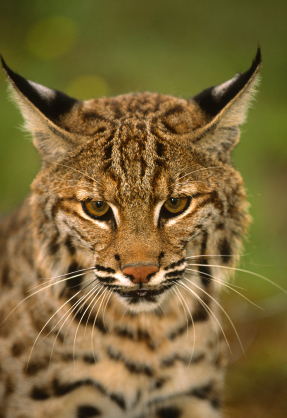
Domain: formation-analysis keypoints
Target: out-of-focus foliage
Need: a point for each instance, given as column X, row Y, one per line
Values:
column 93, row 48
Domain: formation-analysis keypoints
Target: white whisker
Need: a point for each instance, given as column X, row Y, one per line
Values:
column 222, row 309
column 200, row 169
column 34, row 293
column 82, row 302
column 177, row 293
column 215, row 279
column 94, row 323
column 78, row 171
column 228, row 286
column 62, row 275
column 245, row 271
column 193, row 326
column 215, row 255
column 105, row 307
column 208, row 310
column 98, row 287
column 61, row 307
column 69, row 312
column 50, row 319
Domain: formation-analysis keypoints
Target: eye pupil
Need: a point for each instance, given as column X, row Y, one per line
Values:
column 99, row 204
column 173, row 201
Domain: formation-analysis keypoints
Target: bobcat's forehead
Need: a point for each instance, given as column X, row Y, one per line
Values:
column 141, row 139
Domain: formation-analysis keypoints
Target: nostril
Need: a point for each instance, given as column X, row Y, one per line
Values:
column 140, row 273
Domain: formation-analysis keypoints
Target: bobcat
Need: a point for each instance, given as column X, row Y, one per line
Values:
column 111, row 269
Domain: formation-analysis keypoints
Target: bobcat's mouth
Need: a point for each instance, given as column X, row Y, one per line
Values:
column 143, row 294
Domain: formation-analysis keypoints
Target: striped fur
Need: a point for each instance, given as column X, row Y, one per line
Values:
column 81, row 336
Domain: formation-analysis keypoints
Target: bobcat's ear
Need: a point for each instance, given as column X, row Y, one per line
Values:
column 43, row 110
column 225, row 108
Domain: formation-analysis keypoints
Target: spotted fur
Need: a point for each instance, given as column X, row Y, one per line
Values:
column 119, row 316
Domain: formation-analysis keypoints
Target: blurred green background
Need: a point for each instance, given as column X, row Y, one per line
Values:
column 93, row 48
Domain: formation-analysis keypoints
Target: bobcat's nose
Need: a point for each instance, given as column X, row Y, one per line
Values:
column 140, row 273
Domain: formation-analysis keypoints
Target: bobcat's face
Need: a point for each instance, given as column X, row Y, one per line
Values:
column 135, row 195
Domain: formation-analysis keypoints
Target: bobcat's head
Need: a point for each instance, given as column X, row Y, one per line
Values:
column 137, row 184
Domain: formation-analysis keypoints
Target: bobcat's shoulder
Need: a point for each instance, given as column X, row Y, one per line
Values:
column 111, row 269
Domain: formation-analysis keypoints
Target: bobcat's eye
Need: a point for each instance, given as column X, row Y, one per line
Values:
column 174, row 207
column 96, row 209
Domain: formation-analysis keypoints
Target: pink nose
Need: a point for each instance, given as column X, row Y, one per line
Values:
column 140, row 273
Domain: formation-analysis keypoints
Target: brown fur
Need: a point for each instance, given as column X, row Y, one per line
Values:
column 121, row 354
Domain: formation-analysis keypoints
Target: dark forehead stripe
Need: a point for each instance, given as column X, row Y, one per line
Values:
column 134, row 157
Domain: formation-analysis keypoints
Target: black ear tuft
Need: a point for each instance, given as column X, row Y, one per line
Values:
column 214, row 99
column 51, row 103
column 47, row 114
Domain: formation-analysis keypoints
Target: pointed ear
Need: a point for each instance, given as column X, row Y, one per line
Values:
column 44, row 111
column 225, row 108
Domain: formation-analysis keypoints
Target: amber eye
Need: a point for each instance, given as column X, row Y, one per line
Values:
column 175, row 206
column 95, row 208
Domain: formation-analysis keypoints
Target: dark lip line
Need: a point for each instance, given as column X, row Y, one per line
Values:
column 142, row 292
